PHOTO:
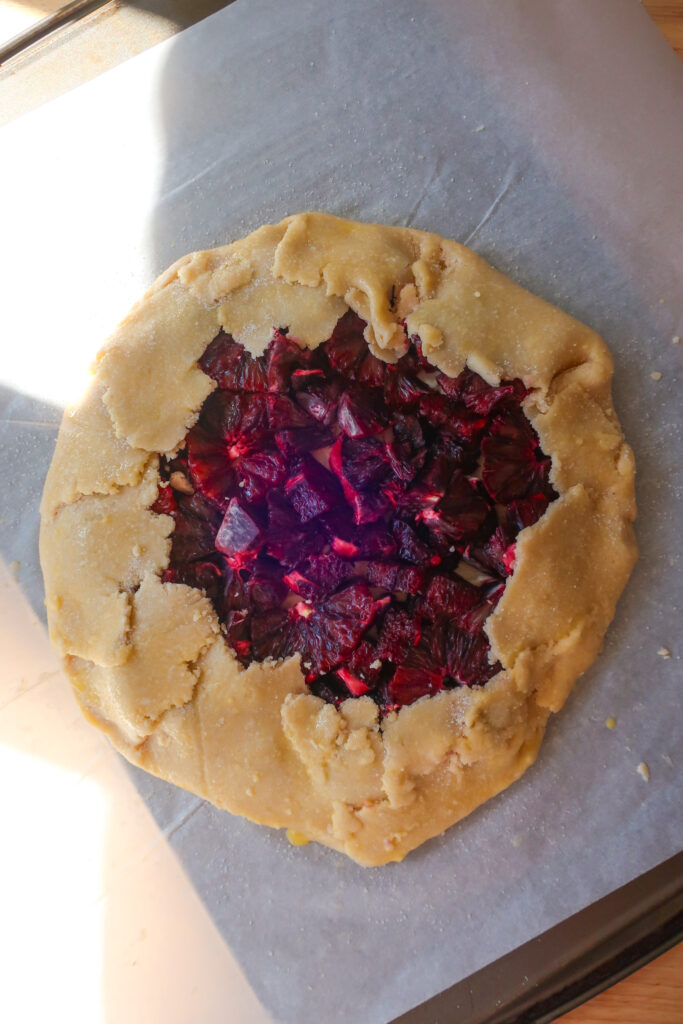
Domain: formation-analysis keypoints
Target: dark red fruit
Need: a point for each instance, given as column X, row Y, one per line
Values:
column 327, row 571
column 210, row 466
column 258, row 472
column 265, row 587
column 285, row 357
column 440, row 411
column 354, row 684
column 365, row 665
column 311, row 489
column 320, row 399
column 417, row 677
column 403, row 390
column 411, row 548
column 376, row 541
column 371, row 371
column 196, row 523
column 467, row 657
column 286, row 539
column 447, row 462
column 284, row 414
column 358, row 414
column 358, row 464
column 327, row 633
column 477, row 394
column 461, row 513
column 301, row 585
column 399, row 632
column 396, row 578
column 496, row 556
column 345, row 548
column 354, row 568
column 472, row 621
column 235, row 417
column 512, row 467
column 526, row 511
column 346, row 349
column 450, row 595
column 412, row 498
column 422, row 360
column 165, row 503
column 363, row 462
column 238, row 535
column 232, row 367
column 204, row 576
column 272, row 634
column 305, row 439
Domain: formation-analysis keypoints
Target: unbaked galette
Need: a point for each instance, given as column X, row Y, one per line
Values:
column 341, row 519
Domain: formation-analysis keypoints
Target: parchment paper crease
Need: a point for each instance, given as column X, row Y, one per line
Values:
column 548, row 136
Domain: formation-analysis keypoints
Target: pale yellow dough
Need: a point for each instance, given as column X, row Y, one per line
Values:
column 147, row 660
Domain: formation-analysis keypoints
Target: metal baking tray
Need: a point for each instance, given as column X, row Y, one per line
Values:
column 565, row 966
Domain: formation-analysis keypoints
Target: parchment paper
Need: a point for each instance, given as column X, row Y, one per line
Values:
column 548, row 136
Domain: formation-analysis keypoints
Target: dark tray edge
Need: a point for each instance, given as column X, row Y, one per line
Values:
column 570, row 963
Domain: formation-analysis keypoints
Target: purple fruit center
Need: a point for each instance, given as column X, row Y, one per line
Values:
column 360, row 513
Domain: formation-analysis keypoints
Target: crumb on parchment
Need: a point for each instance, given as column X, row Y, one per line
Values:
column 664, row 652
column 644, row 771
column 611, row 722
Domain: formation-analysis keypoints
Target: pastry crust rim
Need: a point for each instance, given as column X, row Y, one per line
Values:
column 374, row 791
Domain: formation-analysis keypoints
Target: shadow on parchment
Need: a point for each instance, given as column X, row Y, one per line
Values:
column 28, row 431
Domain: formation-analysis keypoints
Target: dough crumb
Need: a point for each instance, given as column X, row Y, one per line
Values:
column 179, row 482
column 656, row 375
column 296, row 838
column 664, row 652
column 676, row 339
column 136, row 551
column 643, row 771
column 611, row 722
column 477, row 295
column 480, row 128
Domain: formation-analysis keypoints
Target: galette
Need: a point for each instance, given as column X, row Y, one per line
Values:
column 342, row 517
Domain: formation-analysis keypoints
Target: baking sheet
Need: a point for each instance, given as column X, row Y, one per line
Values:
column 548, row 136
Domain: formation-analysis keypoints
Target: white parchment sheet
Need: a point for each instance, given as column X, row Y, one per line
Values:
column 548, row 136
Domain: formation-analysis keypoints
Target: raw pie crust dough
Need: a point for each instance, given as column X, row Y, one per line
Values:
column 147, row 659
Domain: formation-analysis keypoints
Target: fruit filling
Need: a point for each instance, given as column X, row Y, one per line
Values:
column 359, row 513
